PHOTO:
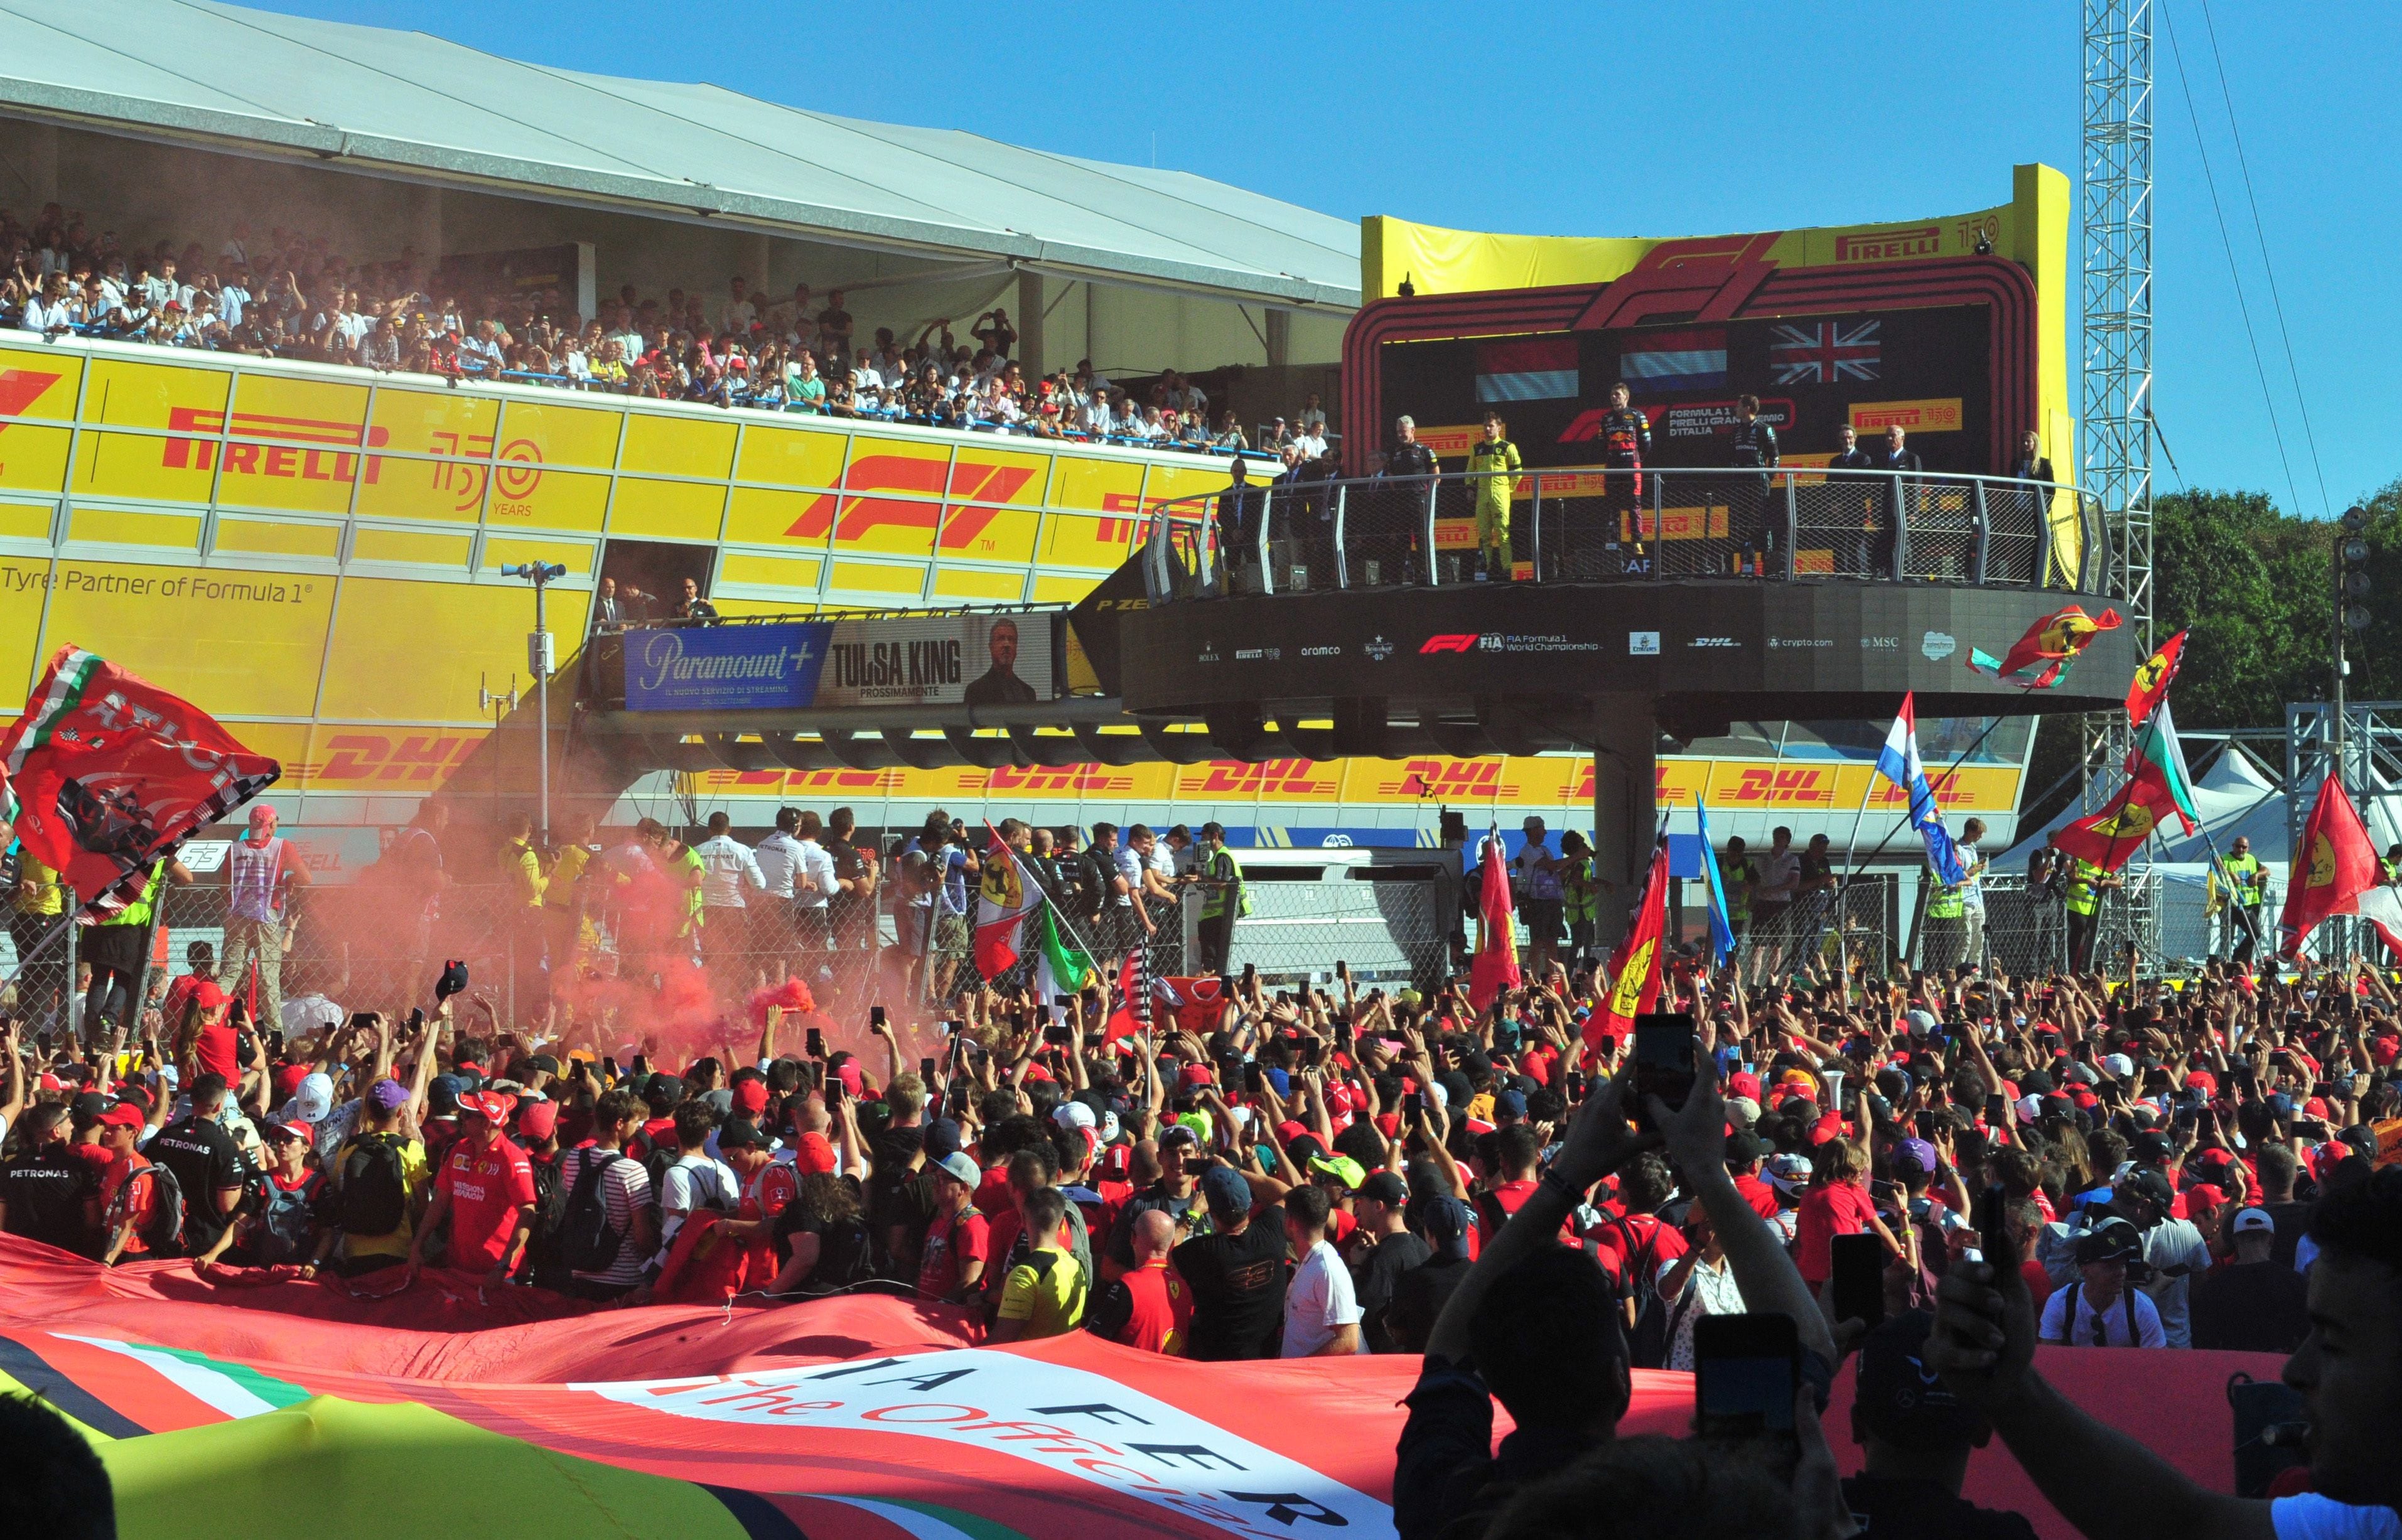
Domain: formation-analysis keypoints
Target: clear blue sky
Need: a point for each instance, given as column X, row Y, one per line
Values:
column 1657, row 119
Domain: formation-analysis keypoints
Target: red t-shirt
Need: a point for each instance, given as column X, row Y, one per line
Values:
column 1161, row 1320
column 1510, row 1197
column 123, row 1200
column 486, row 1187
column 1839, row 1208
column 1759, row 1195
column 950, row 1241
column 214, row 1051
column 2038, row 1283
column 1641, row 1237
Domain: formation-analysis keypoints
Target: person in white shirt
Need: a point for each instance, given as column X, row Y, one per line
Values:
column 798, row 875
column 1312, row 415
column 1311, row 442
column 739, row 313
column 1321, row 1312
column 1095, row 416
column 1697, row 1284
column 2098, row 1309
column 726, row 865
column 815, row 888
column 695, row 1181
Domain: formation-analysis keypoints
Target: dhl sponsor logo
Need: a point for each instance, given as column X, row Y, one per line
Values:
column 1777, row 786
column 861, row 783
column 284, row 460
column 19, row 389
column 361, row 758
column 1890, row 246
column 1071, row 780
column 1933, row 416
column 1450, row 781
column 936, row 478
column 1267, row 778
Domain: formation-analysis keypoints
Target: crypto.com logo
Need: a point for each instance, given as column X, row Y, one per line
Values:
column 1447, row 644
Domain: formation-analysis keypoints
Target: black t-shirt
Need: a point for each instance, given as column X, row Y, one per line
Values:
column 2292, row 1220
column 2251, row 1307
column 1237, row 1283
column 842, row 1244
column 206, row 1161
column 1190, row 1206
column 1379, row 1278
column 1418, row 1298
column 1888, row 1510
column 45, row 1191
column 898, row 1196
column 847, row 909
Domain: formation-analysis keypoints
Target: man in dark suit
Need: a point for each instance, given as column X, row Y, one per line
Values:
column 2034, row 500
column 608, row 610
column 1904, row 499
column 1853, row 504
column 1000, row 685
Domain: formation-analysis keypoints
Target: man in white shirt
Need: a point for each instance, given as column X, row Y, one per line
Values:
column 2097, row 1308
column 814, row 889
column 726, row 865
column 1311, row 442
column 796, row 872
column 695, row 1181
column 2174, row 1249
column 1321, row 1312
column 739, row 313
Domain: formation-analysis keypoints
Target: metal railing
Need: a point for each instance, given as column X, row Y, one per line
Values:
column 1622, row 525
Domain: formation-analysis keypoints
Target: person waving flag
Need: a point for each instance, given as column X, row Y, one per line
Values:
column 1898, row 763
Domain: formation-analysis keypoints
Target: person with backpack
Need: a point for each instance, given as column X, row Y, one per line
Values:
column 2099, row 1309
column 376, row 1188
column 142, row 1207
column 607, row 1232
column 693, row 1180
column 538, row 1136
column 209, row 1167
column 486, row 1190
column 281, row 1229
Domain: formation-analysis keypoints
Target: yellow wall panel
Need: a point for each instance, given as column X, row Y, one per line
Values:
column 401, row 758
column 796, row 573
column 547, row 500
column 988, row 533
column 412, row 651
column 509, row 550
column 414, row 545
column 670, row 510
column 758, row 515
column 970, row 582
column 279, row 537
column 1186, row 480
column 1062, row 589
column 869, row 577
column 455, row 429
column 22, row 585
column 31, row 459
column 1097, row 486
column 677, row 446
column 791, row 457
column 132, row 465
column 732, row 607
column 39, row 384
column 270, row 405
column 25, row 520
column 121, row 528
column 560, row 434
column 238, row 642
column 1073, row 540
column 127, row 394
column 890, row 505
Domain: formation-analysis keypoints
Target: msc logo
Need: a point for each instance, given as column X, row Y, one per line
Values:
column 1267, row 778
column 280, row 460
column 1448, row 779
column 928, row 479
column 1447, row 644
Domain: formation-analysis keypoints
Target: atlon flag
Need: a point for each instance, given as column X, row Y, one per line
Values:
column 1538, row 368
column 106, row 774
column 1495, row 967
column 1898, row 762
column 1004, row 896
column 1635, row 970
column 1825, row 353
column 2152, row 681
column 2041, row 659
column 2334, row 867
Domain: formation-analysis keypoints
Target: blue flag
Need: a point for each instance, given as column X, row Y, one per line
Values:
column 1721, row 928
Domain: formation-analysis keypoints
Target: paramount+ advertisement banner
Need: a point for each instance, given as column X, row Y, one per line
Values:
column 974, row 660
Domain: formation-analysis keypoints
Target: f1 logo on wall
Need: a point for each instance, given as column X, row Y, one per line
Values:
column 1447, row 644
column 1643, row 644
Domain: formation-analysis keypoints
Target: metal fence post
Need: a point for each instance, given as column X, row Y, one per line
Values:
column 1434, row 566
column 1535, row 510
column 1793, row 527
column 1342, row 545
column 1267, row 519
column 67, row 984
column 1898, row 491
column 1658, row 546
column 1984, row 532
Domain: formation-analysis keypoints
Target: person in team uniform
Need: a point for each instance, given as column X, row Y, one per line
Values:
column 1625, row 443
column 1753, row 444
column 1494, row 454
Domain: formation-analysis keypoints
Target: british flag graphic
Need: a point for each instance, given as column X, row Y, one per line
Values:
column 1822, row 354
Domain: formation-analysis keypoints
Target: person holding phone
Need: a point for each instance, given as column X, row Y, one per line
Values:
column 1700, row 1283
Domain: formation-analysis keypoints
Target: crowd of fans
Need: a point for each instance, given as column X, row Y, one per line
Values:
column 292, row 295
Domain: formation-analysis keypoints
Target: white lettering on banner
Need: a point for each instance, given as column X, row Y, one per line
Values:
column 1066, row 1420
column 664, row 660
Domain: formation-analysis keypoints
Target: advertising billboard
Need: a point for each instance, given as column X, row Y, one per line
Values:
column 974, row 660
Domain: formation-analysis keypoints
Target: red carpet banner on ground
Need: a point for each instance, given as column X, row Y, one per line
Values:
column 854, row 1417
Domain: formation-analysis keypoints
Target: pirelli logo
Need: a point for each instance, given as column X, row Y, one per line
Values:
column 1890, row 246
column 1938, row 415
column 288, row 460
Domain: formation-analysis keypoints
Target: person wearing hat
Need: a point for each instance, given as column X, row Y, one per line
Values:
column 2098, row 1309
column 2255, row 1304
column 1386, row 1253
column 1148, row 1307
column 379, row 1179
column 47, row 1193
column 1745, row 1152
column 261, row 870
column 1177, row 1192
column 1423, row 1291
column 2174, row 1249
column 486, row 1188
column 129, row 1192
column 1916, row 1437
column 1235, row 1272
column 950, row 1265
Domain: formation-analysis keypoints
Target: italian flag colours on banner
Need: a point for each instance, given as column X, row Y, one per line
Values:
column 1061, row 967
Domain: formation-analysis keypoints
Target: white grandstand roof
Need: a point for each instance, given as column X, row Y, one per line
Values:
column 405, row 103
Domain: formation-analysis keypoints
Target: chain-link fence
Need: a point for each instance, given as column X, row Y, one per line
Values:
column 2030, row 931
column 1848, row 929
column 1389, row 932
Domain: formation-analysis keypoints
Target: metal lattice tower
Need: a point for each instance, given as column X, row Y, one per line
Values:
column 2118, row 325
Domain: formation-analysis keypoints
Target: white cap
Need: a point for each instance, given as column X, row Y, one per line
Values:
column 2119, row 1066
column 2250, row 1220
column 1072, row 1115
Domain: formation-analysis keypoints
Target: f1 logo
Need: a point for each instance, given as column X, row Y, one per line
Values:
column 1448, row 644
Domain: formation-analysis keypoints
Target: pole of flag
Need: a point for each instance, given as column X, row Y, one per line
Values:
column 1951, row 770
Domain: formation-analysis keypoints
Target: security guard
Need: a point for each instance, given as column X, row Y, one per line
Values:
column 2250, row 881
column 1737, row 877
column 1580, row 888
column 1220, row 877
column 1496, row 455
column 1947, row 928
column 2082, row 897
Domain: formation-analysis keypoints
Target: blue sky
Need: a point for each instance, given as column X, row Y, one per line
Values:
column 1661, row 120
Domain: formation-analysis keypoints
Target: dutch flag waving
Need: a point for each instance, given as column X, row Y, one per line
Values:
column 1898, row 763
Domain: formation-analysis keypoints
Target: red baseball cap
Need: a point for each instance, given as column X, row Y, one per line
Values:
column 538, row 1120
column 751, row 1097
column 1744, row 1083
column 208, row 997
column 288, row 1077
column 1195, row 1074
column 495, row 1105
column 123, row 1115
column 814, row 1152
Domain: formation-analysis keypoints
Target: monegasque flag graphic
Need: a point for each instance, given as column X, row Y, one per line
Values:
column 1542, row 368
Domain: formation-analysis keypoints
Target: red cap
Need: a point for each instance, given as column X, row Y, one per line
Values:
column 1744, row 1083
column 288, row 1077
column 305, row 1133
column 495, row 1105
column 538, row 1120
column 2316, row 1106
column 208, row 997
column 123, row 1115
column 1193, row 1074
column 852, row 1080
column 814, row 1153
column 751, row 1097
column 1288, row 1130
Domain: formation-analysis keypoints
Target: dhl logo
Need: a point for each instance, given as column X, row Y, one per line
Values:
column 1064, row 782
column 848, row 783
column 19, row 389
column 1763, row 786
column 357, row 757
column 282, row 461
column 1947, row 789
column 1451, row 781
column 1267, row 778
column 962, row 482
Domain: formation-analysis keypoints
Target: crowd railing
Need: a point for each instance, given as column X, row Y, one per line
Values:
column 1593, row 524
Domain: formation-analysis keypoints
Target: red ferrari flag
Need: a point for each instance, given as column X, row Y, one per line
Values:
column 2152, row 681
column 1495, row 967
column 109, row 774
column 2333, row 866
column 1635, row 970
column 2039, row 659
